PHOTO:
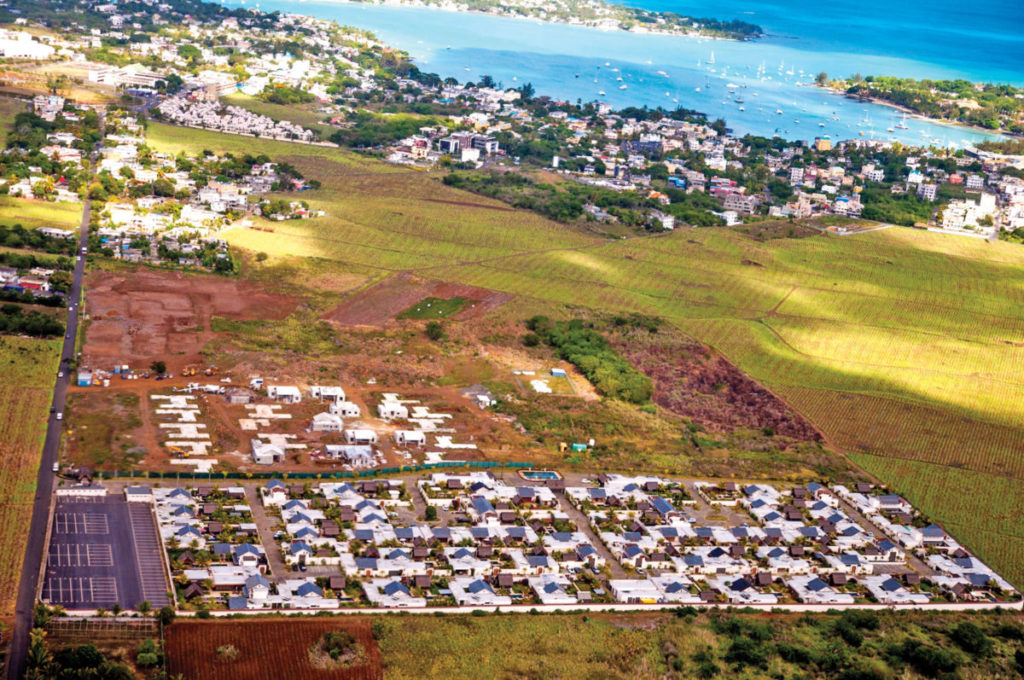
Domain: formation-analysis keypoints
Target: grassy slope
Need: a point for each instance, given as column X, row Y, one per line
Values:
column 27, row 371
column 897, row 343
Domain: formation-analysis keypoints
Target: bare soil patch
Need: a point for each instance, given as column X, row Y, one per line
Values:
column 265, row 649
column 693, row 381
column 147, row 314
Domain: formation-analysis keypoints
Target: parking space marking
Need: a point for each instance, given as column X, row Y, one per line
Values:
column 80, row 589
column 99, row 555
column 95, row 523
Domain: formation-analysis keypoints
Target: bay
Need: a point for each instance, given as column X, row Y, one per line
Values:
column 769, row 78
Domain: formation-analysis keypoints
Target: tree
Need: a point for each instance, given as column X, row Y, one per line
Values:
column 144, row 607
column 40, row 661
column 431, row 513
column 166, row 615
column 261, row 257
column 158, row 367
column 434, row 330
column 822, row 78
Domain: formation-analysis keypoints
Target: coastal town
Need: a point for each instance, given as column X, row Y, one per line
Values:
column 341, row 344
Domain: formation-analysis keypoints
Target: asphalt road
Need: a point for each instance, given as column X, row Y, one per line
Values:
column 35, row 551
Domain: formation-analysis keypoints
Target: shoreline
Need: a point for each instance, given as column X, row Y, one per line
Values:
column 591, row 25
column 916, row 114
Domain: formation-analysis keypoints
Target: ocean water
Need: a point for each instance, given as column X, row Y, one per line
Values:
column 760, row 87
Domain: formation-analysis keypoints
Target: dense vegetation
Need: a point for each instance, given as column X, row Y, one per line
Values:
column 371, row 130
column 284, row 94
column 17, row 236
column 591, row 353
column 15, row 321
column 521, row 192
column 989, row 106
column 86, row 662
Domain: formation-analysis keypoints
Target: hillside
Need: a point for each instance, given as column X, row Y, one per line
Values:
column 899, row 345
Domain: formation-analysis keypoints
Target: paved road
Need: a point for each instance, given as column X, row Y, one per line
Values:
column 34, row 552
column 265, row 525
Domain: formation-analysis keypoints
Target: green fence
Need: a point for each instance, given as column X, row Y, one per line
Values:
column 209, row 476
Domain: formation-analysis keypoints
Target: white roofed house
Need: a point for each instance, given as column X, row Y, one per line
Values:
column 392, row 410
column 345, row 409
column 360, row 436
column 266, row 454
column 331, row 393
column 289, row 394
column 410, row 438
column 327, row 422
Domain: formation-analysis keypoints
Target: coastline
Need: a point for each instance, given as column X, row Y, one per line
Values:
column 592, row 25
column 916, row 114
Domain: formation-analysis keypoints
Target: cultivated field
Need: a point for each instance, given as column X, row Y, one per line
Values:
column 267, row 649
column 27, row 370
column 895, row 343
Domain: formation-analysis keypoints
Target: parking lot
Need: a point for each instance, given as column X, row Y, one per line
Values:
column 103, row 551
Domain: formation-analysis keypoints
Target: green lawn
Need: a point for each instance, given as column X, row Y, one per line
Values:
column 898, row 344
column 434, row 308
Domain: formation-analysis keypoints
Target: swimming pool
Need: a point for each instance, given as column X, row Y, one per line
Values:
column 535, row 475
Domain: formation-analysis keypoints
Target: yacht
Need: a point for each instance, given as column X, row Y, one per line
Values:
column 711, row 60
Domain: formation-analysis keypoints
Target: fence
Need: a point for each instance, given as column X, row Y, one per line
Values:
column 342, row 474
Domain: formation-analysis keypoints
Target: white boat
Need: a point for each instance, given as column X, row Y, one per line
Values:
column 662, row 73
column 902, row 125
column 821, row 125
column 696, row 89
column 600, row 92
column 622, row 87
column 778, row 111
column 742, row 109
column 711, row 60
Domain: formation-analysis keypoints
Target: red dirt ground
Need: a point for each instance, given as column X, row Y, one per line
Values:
column 381, row 303
column 154, row 314
column 268, row 649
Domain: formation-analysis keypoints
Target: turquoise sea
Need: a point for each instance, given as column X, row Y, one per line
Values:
column 760, row 87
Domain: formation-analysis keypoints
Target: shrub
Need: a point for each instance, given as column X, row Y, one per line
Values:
column 744, row 651
column 970, row 638
column 434, row 330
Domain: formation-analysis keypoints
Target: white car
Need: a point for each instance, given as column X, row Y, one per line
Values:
column 56, row 467
column 60, row 415
column 60, row 374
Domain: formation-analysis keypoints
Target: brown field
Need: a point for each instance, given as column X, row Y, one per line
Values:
column 380, row 303
column 166, row 315
column 269, row 649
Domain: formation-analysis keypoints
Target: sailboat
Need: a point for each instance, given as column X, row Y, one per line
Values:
column 711, row 60
column 902, row 125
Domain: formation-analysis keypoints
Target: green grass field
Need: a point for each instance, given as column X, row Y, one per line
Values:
column 899, row 344
column 27, row 369
column 34, row 213
column 434, row 308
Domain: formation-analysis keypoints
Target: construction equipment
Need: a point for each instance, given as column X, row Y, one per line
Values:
column 182, row 453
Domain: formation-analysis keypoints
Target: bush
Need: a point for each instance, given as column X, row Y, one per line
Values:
column 928, row 660
column 746, row 652
column 970, row 638
column 434, row 330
